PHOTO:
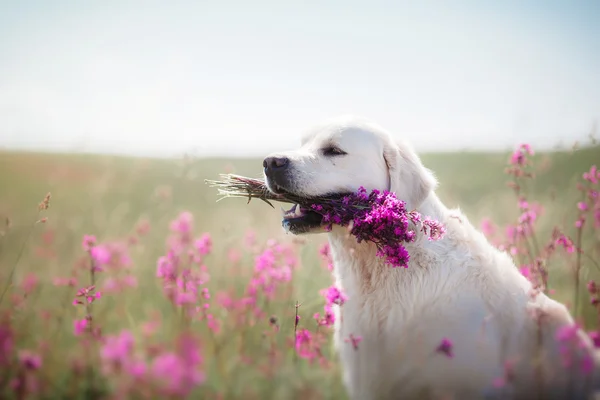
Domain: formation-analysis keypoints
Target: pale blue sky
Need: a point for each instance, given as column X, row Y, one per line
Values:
column 247, row 77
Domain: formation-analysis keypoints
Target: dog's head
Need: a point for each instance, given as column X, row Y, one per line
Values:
column 338, row 157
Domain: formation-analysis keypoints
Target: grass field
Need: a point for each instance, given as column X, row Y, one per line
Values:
column 249, row 354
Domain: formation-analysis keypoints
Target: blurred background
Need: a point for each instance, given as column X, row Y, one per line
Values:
column 240, row 78
column 122, row 109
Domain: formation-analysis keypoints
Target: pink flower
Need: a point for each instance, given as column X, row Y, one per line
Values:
column 488, row 227
column 593, row 175
column 304, row 344
column 178, row 373
column 445, row 347
column 582, row 206
column 117, row 348
column 592, row 287
column 566, row 242
column 30, row 282
column 526, row 272
column 100, row 254
column 30, row 360
column 88, row 242
column 328, row 318
column 355, row 340
column 204, row 244
column 183, row 223
column 519, row 156
column 6, row 343
column 79, row 326
column 334, row 295
column 595, row 336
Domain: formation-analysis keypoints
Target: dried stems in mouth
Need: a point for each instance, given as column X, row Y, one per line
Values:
column 240, row 186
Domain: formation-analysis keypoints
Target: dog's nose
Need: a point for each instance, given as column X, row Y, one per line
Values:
column 275, row 162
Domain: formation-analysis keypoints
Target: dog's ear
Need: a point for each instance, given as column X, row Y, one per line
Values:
column 409, row 179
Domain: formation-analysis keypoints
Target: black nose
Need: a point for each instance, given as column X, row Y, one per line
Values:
column 275, row 162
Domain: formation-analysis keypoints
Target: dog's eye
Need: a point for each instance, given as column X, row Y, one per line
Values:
column 333, row 151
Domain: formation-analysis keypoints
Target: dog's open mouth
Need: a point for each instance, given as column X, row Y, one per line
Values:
column 300, row 219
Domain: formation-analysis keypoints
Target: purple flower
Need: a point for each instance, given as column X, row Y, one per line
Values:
column 204, row 244
column 30, row 360
column 445, row 347
column 117, row 348
column 381, row 218
column 334, row 296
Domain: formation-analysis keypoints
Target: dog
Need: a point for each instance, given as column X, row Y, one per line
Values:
column 502, row 334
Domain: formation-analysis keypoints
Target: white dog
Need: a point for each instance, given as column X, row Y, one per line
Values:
column 460, row 288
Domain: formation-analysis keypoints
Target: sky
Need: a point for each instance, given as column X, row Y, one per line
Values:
column 244, row 78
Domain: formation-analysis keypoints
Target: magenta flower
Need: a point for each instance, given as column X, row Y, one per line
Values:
column 488, row 227
column 101, row 254
column 328, row 318
column 595, row 336
column 88, row 242
column 204, row 244
column 381, row 218
column 30, row 360
column 6, row 343
column 183, row 223
column 80, row 326
column 334, row 295
column 445, row 347
column 354, row 340
column 593, row 175
column 519, row 157
column 304, row 345
column 177, row 373
column 566, row 242
column 117, row 348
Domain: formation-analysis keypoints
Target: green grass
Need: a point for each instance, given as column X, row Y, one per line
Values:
column 107, row 196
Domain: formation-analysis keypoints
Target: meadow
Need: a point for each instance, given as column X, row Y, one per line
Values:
column 238, row 322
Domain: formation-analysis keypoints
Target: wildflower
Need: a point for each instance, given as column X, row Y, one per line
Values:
column 593, row 175
column 445, row 347
column 177, row 373
column 79, row 326
column 334, row 296
column 88, row 242
column 6, row 343
column 566, row 242
column 328, row 318
column 488, row 227
column 30, row 360
column 30, row 282
column 592, row 287
column 100, row 254
column 204, row 244
column 519, row 156
column 354, row 340
column 304, row 344
column 436, row 229
column 595, row 336
column 117, row 348
column 183, row 223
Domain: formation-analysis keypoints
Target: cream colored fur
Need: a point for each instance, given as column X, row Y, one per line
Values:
column 460, row 288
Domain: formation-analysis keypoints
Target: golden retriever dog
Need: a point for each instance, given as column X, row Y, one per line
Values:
column 507, row 341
